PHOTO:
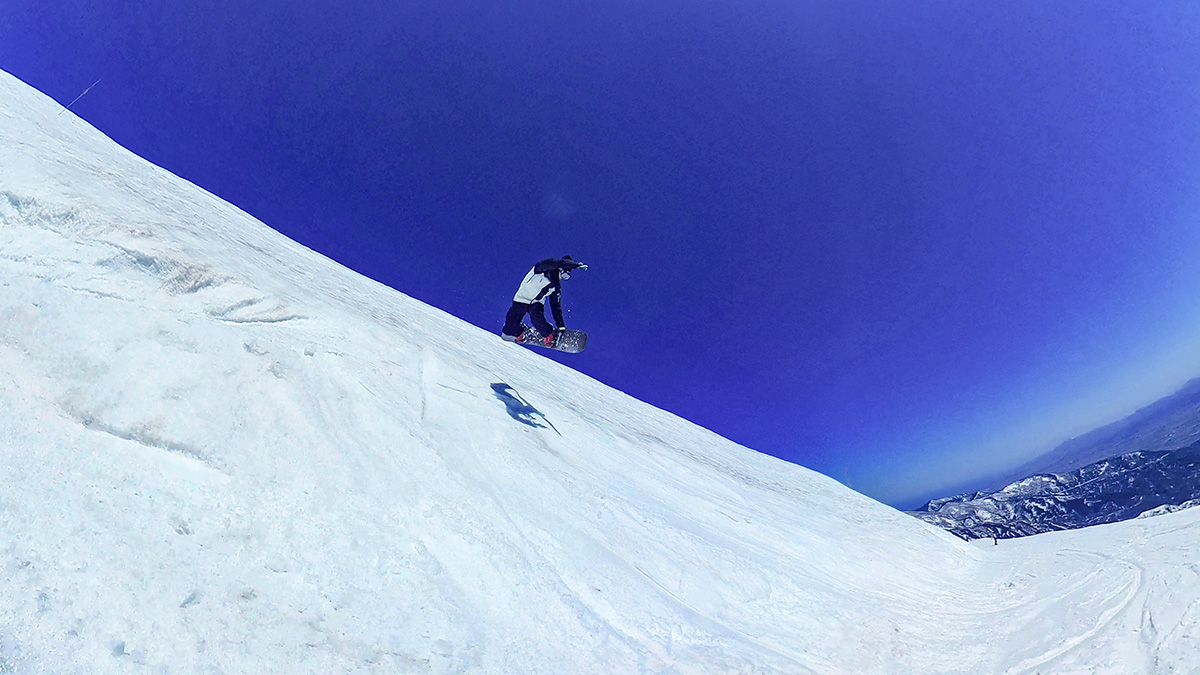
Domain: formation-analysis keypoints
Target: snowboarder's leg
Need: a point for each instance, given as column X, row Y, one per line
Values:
column 512, row 321
column 537, row 313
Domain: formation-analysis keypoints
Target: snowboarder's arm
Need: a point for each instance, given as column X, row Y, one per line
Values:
column 546, row 265
column 556, row 307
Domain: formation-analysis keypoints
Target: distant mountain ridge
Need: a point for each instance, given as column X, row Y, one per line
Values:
column 1146, row 460
column 1114, row 489
column 1116, row 472
column 1168, row 423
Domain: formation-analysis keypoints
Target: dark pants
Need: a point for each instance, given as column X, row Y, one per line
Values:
column 536, row 312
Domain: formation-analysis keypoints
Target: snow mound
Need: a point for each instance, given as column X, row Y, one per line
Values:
column 1170, row 508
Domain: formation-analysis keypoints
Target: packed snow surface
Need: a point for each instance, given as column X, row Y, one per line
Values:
column 222, row 452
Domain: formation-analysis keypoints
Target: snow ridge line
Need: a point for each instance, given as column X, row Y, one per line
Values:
column 254, row 311
column 143, row 437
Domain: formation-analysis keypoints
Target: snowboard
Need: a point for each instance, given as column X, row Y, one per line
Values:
column 567, row 340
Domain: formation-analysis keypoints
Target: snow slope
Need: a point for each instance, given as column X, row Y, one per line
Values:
column 222, row 452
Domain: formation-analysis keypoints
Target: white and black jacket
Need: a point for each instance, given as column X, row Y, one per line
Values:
column 543, row 283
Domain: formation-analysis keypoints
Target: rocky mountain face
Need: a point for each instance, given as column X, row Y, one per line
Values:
column 1113, row 489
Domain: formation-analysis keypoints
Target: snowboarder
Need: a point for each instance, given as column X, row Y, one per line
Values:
column 544, row 282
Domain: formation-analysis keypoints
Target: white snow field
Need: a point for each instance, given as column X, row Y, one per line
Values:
column 221, row 452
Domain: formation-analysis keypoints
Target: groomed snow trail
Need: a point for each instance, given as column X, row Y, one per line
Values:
column 222, row 452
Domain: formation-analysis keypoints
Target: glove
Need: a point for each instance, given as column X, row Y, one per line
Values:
column 581, row 267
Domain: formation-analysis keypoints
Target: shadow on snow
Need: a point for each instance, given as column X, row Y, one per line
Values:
column 519, row 409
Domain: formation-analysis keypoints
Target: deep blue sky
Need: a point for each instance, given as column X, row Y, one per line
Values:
column 908, row 245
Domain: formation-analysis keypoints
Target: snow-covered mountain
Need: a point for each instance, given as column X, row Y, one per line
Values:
column 1167, row 424
column 222, row 452
column 1170, row 508
column 1113, row 473
column 1114, row 489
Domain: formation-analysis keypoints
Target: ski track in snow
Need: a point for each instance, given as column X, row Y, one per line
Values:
column 222, row 452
